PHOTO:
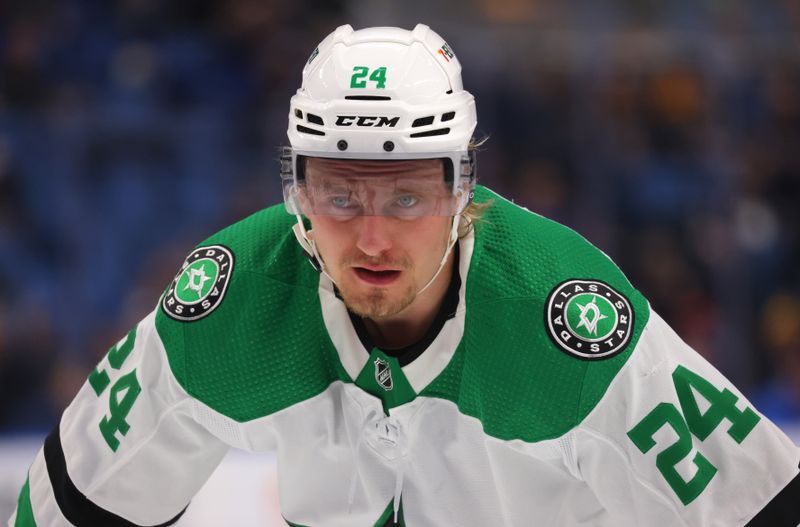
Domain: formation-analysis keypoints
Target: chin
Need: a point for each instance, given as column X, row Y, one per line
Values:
column 377, row 303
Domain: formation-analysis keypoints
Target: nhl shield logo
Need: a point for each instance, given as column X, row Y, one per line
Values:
column 200, row 285
column 383, row 374
column 588, row 319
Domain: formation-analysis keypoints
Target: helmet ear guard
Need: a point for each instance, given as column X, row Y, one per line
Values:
column 289, row 185
column 464, row 189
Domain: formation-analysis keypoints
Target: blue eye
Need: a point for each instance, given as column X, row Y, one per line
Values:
column 340, row 201
column 407, row 201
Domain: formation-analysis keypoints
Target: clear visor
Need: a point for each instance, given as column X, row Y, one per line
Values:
column 405, row 188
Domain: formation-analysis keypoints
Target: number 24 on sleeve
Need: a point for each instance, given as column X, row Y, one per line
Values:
column 692, row 422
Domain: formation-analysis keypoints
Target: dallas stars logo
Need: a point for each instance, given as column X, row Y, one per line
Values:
column 592, row 310
column 588, row 319
column 200, row 285
column 196, row 280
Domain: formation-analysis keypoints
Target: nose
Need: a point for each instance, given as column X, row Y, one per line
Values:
column 374, row 235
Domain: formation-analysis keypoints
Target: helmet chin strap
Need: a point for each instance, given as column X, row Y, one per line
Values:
column 451, row 241
column 310, row 247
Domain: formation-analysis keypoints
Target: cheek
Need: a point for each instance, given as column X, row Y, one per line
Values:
column 329, row 238
column 440, row 231
column 429, row 241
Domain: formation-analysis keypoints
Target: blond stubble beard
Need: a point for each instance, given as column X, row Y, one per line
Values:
column 376, row 302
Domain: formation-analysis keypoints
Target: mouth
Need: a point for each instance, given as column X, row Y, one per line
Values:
column 377, row 277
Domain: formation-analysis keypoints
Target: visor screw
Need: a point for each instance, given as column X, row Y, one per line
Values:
column 342, row 144
column 388, row 146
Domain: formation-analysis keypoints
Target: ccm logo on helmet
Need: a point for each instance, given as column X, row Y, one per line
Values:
column 366, row 120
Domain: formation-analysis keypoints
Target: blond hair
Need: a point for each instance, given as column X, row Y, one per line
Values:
column 474, row 212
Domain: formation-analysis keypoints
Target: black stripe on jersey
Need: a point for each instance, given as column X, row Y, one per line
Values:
column 77, row 508
column 783, row 510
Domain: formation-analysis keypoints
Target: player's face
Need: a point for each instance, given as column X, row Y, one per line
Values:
column 379, row 262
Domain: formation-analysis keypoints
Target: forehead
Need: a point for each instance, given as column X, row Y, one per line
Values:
column 319, row 168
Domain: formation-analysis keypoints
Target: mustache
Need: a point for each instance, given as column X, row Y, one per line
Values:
column 361, row 260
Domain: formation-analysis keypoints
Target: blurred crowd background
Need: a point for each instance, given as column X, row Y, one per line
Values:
column 667, row 133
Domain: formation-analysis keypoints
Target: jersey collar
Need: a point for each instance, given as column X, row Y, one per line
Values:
column 430, row 362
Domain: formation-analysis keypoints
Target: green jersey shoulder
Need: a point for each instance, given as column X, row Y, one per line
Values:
column 550, row 320
column 241, row 321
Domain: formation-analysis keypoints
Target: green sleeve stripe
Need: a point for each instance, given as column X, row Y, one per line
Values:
column 24, row 509
column 387, row 518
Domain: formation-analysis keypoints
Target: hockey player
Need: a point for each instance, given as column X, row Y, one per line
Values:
column 429, row 370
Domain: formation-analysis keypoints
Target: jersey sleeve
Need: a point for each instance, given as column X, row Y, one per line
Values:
column 673, row 442
column 127, row 451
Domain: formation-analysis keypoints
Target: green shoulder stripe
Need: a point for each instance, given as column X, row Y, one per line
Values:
column 516, row 370
column 264, row 346
column 24, row 509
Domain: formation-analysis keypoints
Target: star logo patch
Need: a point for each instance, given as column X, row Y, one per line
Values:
column 200, row 285
column 588, row 319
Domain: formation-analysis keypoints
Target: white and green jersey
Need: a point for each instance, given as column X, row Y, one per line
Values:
column 552, row 396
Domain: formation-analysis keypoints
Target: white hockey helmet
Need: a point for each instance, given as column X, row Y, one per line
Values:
column 382, row 93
